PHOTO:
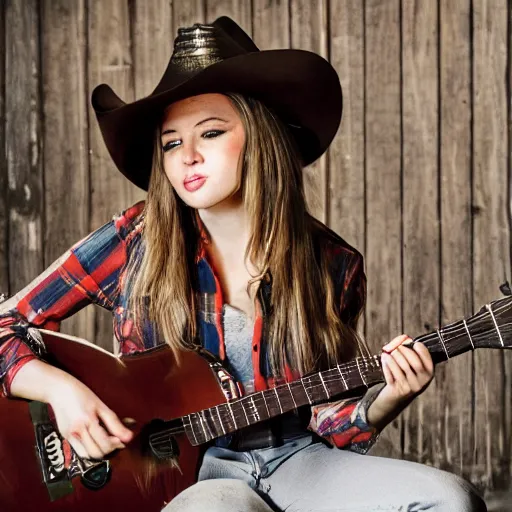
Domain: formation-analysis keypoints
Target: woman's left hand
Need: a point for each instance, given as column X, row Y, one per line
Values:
column 408, row 371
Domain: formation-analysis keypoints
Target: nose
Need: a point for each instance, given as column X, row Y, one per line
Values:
column 190, row 154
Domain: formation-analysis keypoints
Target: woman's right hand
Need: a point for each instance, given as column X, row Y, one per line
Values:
column 92, row 429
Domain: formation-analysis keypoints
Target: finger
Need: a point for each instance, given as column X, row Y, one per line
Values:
column 426, row 357
column 401, row 360
column 105, row 442
column 77, row 446
column 395, row 342
column 114, row 426
column 397, row 372
column 388, row 375
column 93, row 450
column 411, row 379
column 413, row 359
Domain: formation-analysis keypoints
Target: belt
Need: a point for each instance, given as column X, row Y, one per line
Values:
column 268, row 434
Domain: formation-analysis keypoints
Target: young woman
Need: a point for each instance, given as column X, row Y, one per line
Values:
column 224, row 253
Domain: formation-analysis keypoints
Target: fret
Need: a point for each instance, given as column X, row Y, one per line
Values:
column 323, row 384
column 232, row 415
column 265, row 402
column 360, row 372
column 342, row 378
column 469, row 335
column 220, row 420
column 242, row 405
column 306, row 391
column 202, row 420
column 442, row 342
column 208, row 420
column 187, row 422
column 196, row 427
column 291, row 394
column 278, row 401
column 489, row 308
column 256, row 413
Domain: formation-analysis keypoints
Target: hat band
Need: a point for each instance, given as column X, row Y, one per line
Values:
column 196, row 48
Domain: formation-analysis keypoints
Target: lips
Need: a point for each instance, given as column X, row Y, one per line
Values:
column 194, row 182
column 192, row 178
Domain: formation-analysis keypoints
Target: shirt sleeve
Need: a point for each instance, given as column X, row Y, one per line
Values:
column 86, row 274
column 344, row 423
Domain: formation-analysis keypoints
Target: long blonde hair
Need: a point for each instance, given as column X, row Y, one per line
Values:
column 304, row 326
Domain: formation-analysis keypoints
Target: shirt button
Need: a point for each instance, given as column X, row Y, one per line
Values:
column 255, row 348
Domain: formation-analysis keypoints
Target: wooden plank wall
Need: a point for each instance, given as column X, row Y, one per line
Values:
column 417, row 177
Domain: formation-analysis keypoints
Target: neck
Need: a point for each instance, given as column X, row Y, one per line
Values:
column 227, row 227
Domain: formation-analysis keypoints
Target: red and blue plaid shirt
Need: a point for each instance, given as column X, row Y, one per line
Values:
column 93, row 272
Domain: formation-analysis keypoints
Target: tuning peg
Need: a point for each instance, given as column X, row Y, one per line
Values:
column 505, row 288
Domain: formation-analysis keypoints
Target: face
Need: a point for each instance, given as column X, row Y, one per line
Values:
column 202, row 140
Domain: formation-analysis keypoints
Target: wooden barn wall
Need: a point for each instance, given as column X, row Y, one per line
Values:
column 417, row 177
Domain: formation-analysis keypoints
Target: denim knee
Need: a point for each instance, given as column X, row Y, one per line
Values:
column 218, row 495
column 458, row 494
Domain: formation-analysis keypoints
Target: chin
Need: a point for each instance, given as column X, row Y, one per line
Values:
column 202, row 203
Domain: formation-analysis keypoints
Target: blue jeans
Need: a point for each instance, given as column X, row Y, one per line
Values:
column 304, row 476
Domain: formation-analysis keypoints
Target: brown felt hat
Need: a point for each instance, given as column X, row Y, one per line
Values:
column 300, row 86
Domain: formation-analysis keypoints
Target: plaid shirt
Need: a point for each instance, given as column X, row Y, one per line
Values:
column 93, row 271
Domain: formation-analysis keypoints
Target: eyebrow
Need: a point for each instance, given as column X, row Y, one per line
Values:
column 198, row 124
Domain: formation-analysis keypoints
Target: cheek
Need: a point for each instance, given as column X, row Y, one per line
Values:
column 170, row 170
column 233, row 149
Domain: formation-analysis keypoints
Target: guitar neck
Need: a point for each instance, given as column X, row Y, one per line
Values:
column 491, row 327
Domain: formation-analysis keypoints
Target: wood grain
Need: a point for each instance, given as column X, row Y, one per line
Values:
column 66, row 126
column 186, row 14
column 110, row 61
column 4, row 208
column 239, row 10
column 453, row 382
column 271, row 25
column 491, row 242
column 421, row 242
column 383, row 185
column 153, row 39
column 346, row 191
column 23, row 142
column 309, row 32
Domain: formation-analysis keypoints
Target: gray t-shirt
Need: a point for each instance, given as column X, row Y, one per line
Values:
column 238, row 333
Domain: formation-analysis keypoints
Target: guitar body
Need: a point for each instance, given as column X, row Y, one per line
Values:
column 143, row 387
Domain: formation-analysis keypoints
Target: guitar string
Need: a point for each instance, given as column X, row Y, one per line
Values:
column 347, row 366
column 257, row 398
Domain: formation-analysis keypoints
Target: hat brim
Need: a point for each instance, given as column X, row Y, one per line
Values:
column 302, row 87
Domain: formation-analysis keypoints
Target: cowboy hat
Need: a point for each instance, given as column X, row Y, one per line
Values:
column 300, row 86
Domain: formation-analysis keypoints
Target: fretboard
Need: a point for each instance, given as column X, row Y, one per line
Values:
column 491, row 327
column 318, row 387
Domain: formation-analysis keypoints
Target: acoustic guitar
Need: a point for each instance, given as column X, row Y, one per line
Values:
column 178, row 407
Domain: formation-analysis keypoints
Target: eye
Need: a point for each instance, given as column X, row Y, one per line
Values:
column 171, row 145
column 211, row 134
